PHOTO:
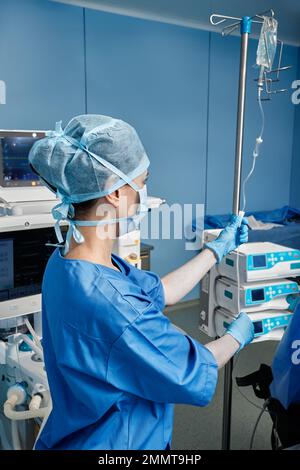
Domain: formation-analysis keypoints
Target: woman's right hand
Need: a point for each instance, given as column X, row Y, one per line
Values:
column 238, row 334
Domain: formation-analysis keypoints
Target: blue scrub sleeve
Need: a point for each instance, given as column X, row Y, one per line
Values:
column 153, row 287
column 153, row 360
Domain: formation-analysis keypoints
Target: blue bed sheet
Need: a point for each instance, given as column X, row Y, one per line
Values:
column 288, row 234
column 286, row 216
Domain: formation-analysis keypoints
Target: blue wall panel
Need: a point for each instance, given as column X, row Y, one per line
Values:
column 42, row 63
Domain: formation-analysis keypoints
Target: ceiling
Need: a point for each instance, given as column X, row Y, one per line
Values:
column 196, row 13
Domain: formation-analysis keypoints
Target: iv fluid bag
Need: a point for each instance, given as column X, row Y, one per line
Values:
column 267, row 43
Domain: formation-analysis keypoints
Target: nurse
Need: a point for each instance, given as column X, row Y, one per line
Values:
column 115, row 363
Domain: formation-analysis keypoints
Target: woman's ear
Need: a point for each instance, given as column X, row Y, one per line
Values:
column 113, row 198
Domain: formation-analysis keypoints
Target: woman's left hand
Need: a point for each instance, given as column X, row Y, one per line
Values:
column 234, row 234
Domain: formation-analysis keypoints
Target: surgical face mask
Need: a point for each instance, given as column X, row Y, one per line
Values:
column 143, row 207
column 133, row 223
column 126, row 224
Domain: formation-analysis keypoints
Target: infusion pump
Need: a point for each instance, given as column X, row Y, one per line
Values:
column 256, row 279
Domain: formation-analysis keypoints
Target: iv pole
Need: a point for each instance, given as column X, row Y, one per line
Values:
column 245, row 25
column 245, row 30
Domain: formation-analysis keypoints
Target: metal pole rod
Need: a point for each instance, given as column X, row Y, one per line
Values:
column 245, row 29
column 240, row 124
column 227, row 405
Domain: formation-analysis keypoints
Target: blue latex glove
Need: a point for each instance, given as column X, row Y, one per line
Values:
column 233, row 235
column 242, row 330
column 292, row 300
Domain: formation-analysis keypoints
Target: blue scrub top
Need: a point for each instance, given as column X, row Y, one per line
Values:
column 115, row 363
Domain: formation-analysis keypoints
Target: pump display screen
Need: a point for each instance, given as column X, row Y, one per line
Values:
column 259, row 261
column 14, row 164
column 257, row 295
column 258, row 327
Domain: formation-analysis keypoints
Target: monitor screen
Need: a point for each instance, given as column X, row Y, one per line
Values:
column 24, row 255
column 14, row 165
column 6, row 265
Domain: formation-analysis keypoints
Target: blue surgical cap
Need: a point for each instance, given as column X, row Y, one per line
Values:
column 62, row 159
column 92, row 157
